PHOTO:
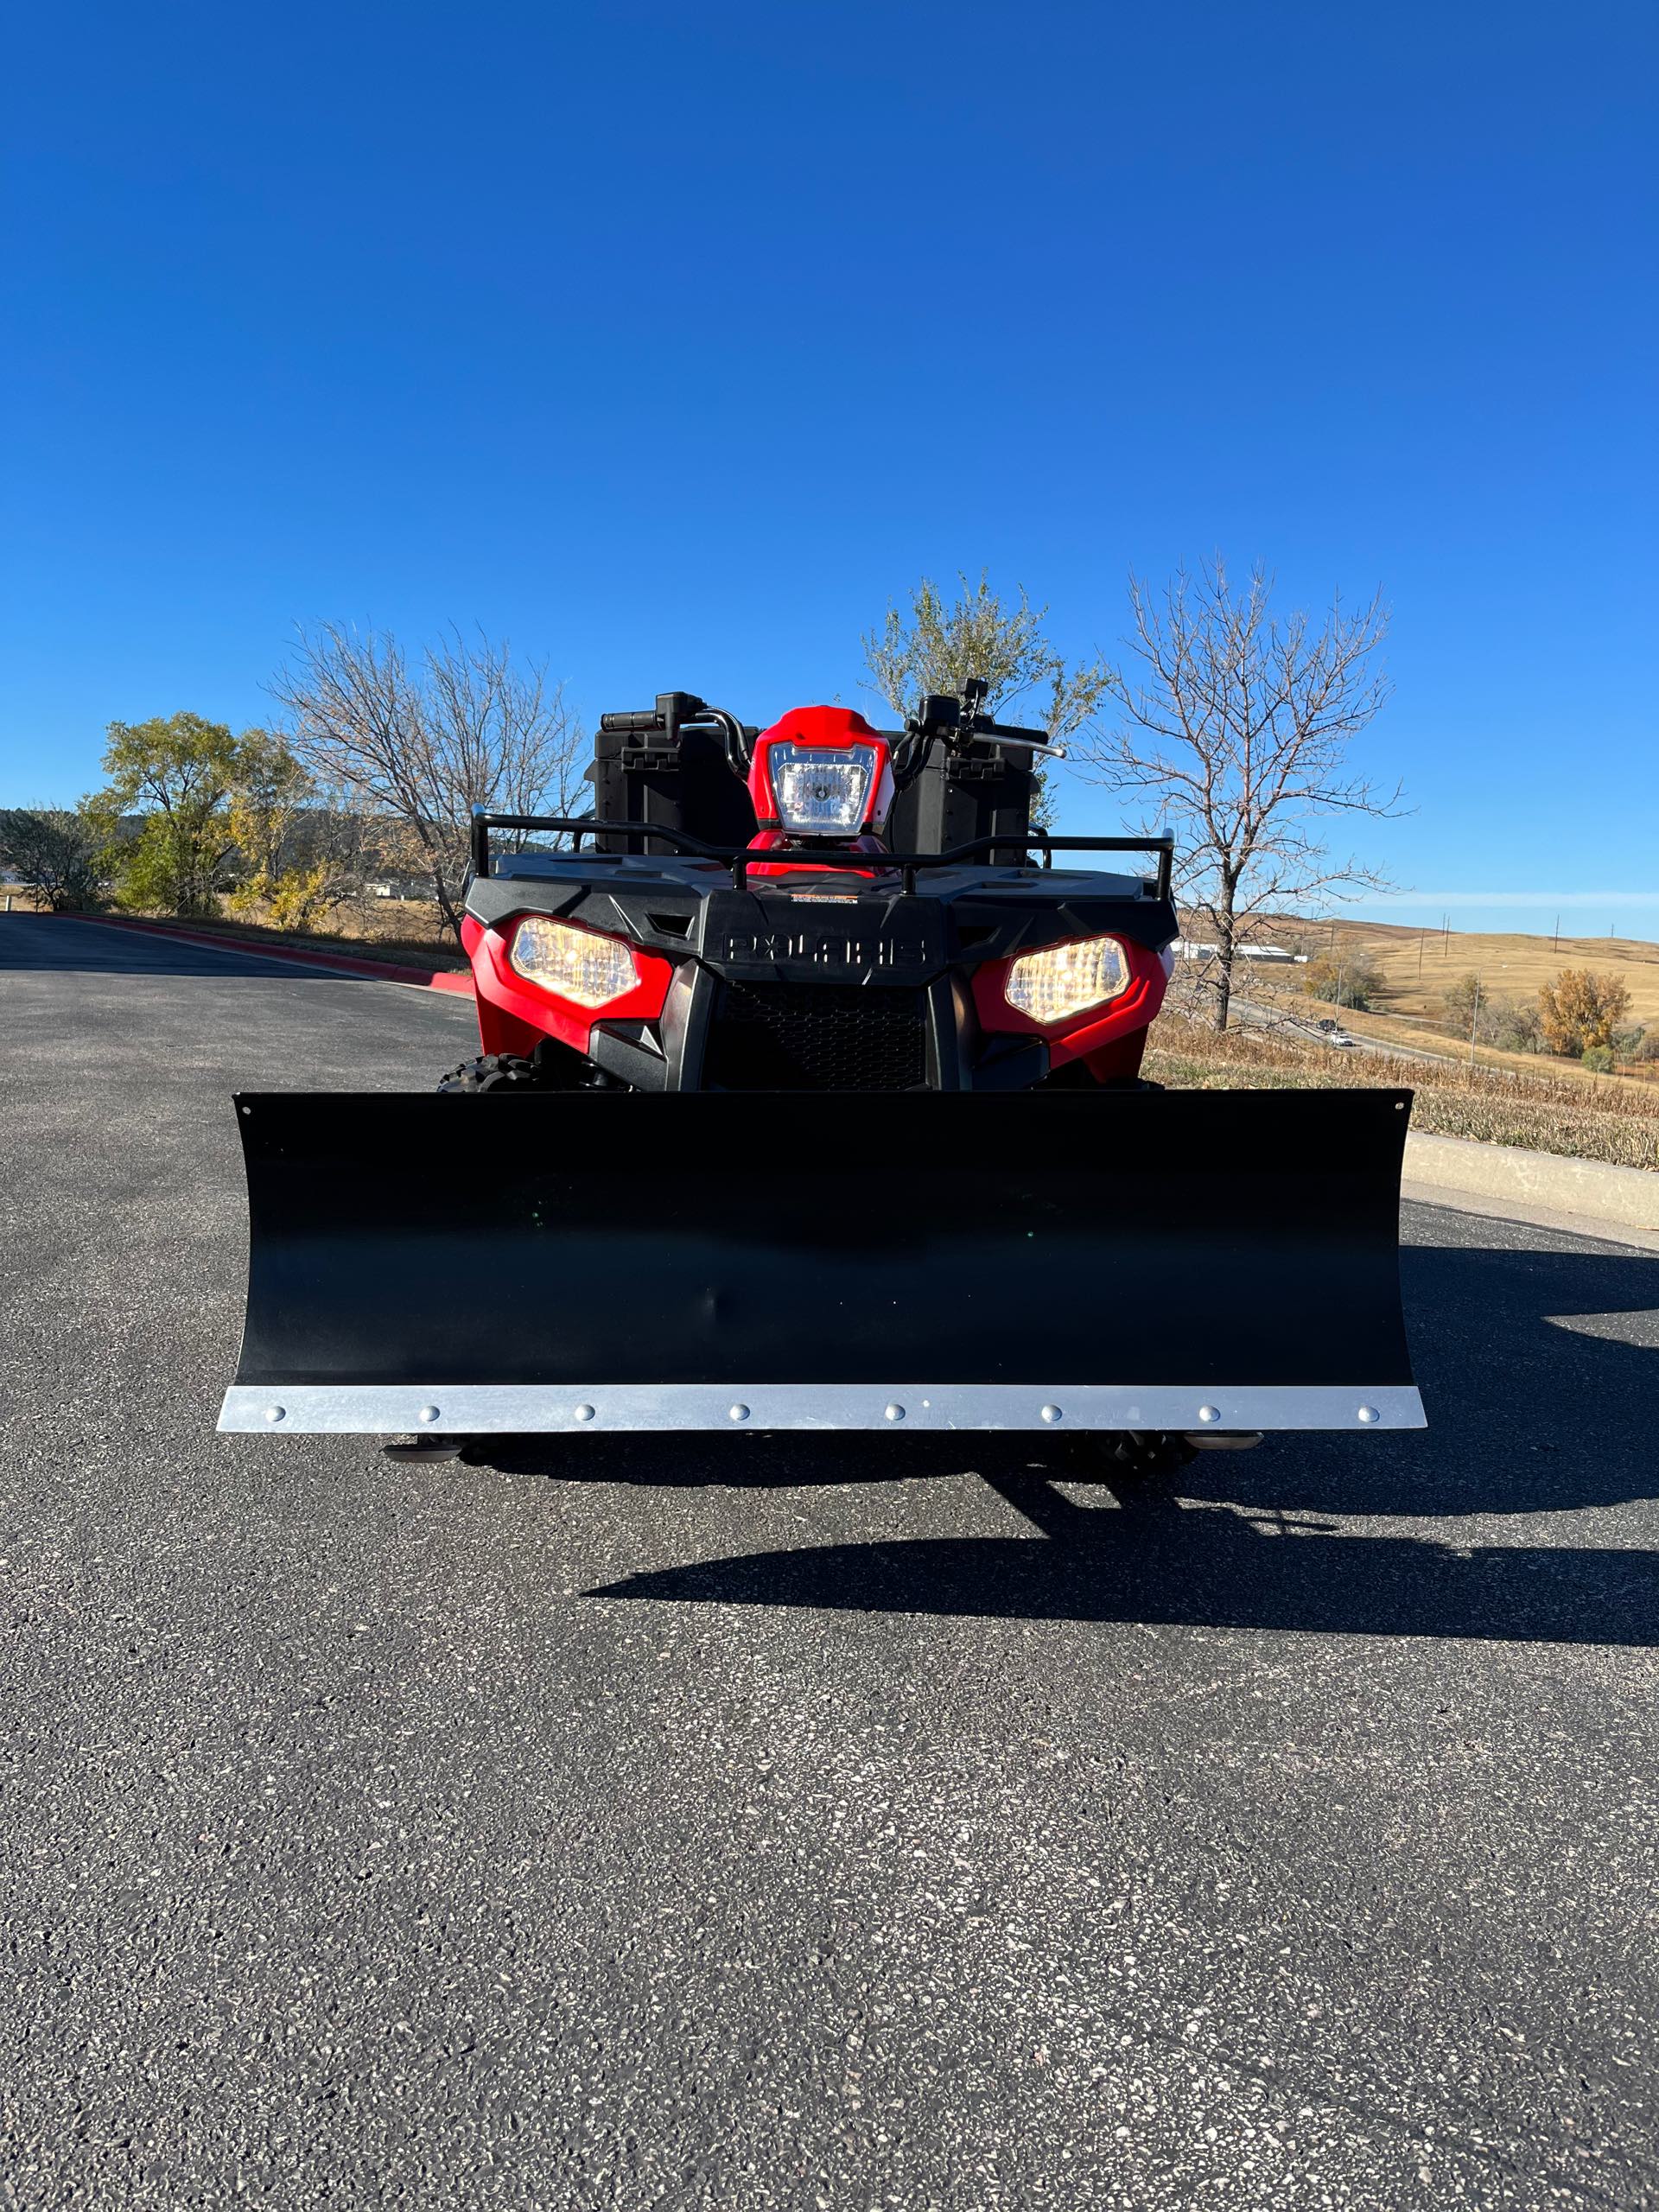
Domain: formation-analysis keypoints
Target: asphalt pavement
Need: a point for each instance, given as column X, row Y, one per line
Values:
column 753, row 1822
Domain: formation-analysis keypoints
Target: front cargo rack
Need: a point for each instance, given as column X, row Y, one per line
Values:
column 741, row 858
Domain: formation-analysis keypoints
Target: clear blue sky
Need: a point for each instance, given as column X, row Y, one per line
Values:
column 673, row 340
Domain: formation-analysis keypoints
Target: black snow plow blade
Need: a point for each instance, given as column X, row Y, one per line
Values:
column 1135, row 1261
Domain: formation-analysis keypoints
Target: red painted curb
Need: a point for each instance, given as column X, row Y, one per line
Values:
column 345, row 963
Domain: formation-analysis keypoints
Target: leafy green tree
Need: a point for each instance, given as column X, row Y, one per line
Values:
column 176, row 773
column 1598, row 1058
column 53, row 852
column 937, row 646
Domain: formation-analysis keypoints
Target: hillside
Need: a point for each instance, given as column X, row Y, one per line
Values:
column 1416, row 965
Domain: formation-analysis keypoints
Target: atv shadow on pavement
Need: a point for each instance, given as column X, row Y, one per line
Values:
column 1539, row 1369
column 760, row 1459
column 1540, row 1372
column 1154, row 1561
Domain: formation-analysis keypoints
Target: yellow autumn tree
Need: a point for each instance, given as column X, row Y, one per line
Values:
column 1580, row 1010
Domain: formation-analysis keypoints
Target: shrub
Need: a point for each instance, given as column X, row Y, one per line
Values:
column 292, row 900
column 52, row 852
column 1517, row 1027
column 1341, row 982
column 1491, row 1017
column 1598, row 1058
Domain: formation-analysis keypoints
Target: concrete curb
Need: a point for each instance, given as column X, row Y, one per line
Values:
column 1516, row 1211
column 342, row 964
column 1507, row 1176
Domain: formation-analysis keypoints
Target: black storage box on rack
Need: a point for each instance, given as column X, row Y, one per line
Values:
column 957, row 798
column 653, row 768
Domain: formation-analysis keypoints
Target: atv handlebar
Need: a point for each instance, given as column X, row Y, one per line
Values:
column 959, row 720
column 741, row 858
column 677, row 711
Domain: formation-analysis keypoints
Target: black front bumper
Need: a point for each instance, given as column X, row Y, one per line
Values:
column 819, row 987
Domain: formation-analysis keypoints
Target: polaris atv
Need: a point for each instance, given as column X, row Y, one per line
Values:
column 825, row 1112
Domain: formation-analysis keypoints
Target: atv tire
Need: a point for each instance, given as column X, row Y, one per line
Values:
column 1139, row 1455
column 1152, row 1453
column 494, row 1071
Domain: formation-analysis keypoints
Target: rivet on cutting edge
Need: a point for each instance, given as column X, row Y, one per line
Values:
column 893, row 1413
column 1051, row 1413
column 427, row 1415
column 1208, row 1413
column 1368, row 1413
column 739, row 1413
column 273, row 1412
column 584, row 1412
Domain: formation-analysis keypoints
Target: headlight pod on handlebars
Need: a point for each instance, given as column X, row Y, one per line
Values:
column 821, row 791
column 1067, row 979
column 580, row 965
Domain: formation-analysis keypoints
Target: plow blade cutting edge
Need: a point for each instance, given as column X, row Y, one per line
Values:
column 1134, row 1260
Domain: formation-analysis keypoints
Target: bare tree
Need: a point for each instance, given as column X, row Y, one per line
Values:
column 269, row 803
column 462, row 727
column 1237, row 725
column 337, row 834
column 938, row 647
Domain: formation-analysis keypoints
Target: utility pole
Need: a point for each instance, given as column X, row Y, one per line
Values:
column 1555, row 942
column 1420, row 956
column 1474, row 1018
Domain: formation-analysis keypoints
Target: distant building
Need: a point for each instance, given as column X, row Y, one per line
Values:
column 1185, row 948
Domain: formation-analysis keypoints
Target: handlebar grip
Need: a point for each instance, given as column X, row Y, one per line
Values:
column 647, row 719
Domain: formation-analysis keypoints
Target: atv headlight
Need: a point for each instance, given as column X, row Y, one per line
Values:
column 1053, row 985
column 820, row 789
column 575, row 964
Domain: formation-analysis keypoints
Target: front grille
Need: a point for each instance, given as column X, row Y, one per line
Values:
column 808, row 1037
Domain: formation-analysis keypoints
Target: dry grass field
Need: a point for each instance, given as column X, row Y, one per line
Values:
column 1416, row 965
column 1539, row 1104
column 401, row 930
column 391, row 921
column 1407, row 1036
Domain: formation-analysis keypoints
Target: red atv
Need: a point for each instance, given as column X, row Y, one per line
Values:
column 742, row 923
column 946, row 1199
